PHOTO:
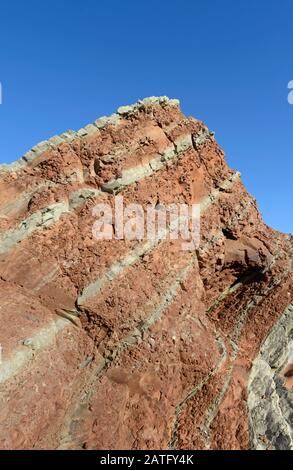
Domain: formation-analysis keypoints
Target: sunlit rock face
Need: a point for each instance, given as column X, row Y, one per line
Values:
column 139, row 344
column 270, row 389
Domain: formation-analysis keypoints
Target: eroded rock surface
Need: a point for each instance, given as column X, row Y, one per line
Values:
column 128, row 344
column 270, row 403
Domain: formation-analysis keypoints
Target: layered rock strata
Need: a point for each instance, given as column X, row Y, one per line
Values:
column 137, row 344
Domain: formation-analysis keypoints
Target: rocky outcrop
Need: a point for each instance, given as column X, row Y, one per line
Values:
column 270, row 403
column 130, row 344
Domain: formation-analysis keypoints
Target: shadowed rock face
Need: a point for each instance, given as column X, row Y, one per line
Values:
column 127, row 344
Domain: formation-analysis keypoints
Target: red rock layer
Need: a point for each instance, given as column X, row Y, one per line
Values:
column 101, row 349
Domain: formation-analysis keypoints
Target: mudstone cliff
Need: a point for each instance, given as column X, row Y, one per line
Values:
column 126, row 344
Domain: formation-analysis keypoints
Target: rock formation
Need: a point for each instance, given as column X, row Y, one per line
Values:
column 130, row 344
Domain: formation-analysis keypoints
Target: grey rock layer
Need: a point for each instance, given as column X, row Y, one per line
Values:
column 270, row 404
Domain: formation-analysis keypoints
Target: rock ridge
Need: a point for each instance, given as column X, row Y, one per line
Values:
column 138, row 344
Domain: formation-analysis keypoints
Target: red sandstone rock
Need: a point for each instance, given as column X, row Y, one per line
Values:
column 103, row 350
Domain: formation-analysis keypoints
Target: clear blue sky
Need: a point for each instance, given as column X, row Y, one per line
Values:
column 64, row 63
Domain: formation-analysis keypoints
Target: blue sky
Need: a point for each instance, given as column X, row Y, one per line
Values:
column 64, row 63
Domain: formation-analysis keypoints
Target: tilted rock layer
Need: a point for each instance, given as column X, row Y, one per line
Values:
column 126, row 344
